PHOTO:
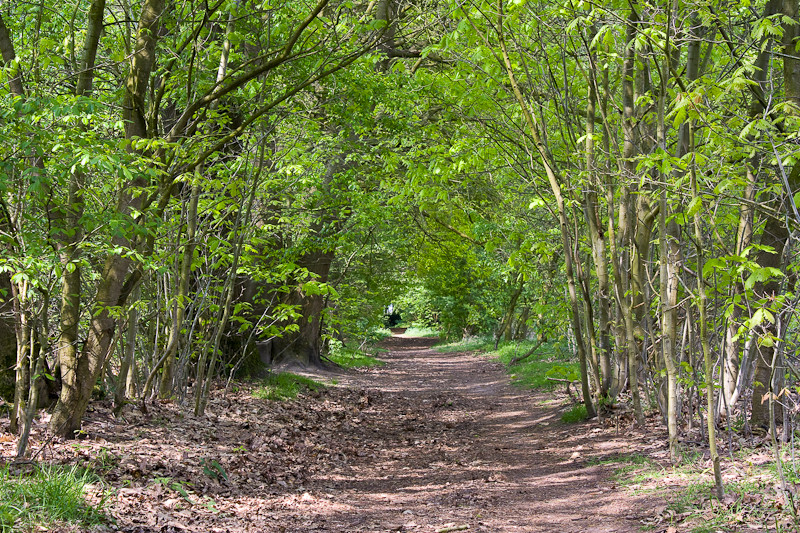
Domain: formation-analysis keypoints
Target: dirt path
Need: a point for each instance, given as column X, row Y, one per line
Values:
column 453, row 443
column 426, row 442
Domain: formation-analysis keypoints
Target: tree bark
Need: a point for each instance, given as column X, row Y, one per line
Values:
column 597, row 238
column 79, row 373
column 776, row 234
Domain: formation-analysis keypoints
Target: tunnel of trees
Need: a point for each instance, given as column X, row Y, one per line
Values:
column 185, row 181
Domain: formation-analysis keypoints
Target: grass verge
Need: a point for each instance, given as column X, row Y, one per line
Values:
column 414, row 331
column 352, row 358
column 751, row 502
column 363, row 356
column 575, row 415
column 550, row 360
column 285, row 386
column 48, row 496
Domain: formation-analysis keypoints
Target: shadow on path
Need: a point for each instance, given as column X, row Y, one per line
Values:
column 447, row 440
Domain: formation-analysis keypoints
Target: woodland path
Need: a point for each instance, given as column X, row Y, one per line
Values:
column 464, row 447
column 428, row 441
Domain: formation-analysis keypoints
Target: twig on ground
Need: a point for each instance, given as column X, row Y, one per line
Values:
column 452, row 528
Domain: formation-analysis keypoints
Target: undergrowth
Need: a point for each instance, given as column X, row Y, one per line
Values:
column 421, row 331
column 285, row 386
column 575, row 415
column 349, row 357
column 750, row 502
column 354, row 358
column 49, row 495
column 550, row 360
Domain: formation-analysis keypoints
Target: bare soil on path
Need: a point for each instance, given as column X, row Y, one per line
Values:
column 427, row 442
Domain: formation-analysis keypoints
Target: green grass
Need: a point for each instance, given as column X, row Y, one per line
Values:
column 47, row 496
column 549, row 360
column 575, row 415
column 352, row 358
column 633, row 468
column 285, row 386
column 421, row 332
column 471, row 344
column 356, row 357
column 693, row 502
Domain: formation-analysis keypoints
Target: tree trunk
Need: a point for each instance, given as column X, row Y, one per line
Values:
column 776, row 234
column 553, row 179
column 179, row 308
column 80, row 372
column 303, row 346
column 597, row 238
column 702, row 306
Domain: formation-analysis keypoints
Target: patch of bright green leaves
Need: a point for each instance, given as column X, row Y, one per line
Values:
column 48, row 495
column 285, row 386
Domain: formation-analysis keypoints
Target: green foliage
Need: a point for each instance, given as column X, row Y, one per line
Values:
column 352, row 357
column 422, row 331
column 213, row 469
column 468, row 344
column 48, row 496
column 550, row 360
column 576, row 414
column 285, row 386
column 748, row 498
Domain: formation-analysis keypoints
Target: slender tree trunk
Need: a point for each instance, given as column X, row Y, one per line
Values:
column 179, row 308
column 79, row 373
column 24, row 345
column 702, row 306
column 127, row 367
column 37, row 364
column 506, row 330
column 553, row 179
column 597, row 237
column 622, row 242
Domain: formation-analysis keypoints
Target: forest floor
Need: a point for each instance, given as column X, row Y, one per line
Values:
column 427, row 442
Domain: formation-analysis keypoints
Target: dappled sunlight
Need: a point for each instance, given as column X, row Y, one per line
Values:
column 429, row 439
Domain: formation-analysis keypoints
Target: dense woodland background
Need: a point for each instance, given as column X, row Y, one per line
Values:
column 193, row 188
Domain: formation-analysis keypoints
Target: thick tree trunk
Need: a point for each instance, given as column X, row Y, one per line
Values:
column 303, row 346
column 776, row 234
column 732, row 383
